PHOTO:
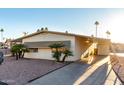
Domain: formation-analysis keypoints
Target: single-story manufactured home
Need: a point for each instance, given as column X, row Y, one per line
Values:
column 39, row 42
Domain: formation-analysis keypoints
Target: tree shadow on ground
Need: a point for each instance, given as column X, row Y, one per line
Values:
column 97, row 77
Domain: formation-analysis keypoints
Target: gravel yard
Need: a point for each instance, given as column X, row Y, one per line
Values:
column 18, row 72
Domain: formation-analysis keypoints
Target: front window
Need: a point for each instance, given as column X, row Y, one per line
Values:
column 33, row 49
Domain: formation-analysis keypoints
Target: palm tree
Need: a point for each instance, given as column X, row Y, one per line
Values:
column 56, row 47
column 96, row 46
column 19, row 50
column 1, row 30
column 24, row 50
column 96, row 23
column 66, row 54
column 15, row 51
column 108, row 34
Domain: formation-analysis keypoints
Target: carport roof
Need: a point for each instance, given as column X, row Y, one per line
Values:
column 45, row 44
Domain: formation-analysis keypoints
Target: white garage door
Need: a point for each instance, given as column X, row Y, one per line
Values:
column 41, row 54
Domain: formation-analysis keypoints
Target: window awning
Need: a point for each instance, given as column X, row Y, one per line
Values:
column 45, row 44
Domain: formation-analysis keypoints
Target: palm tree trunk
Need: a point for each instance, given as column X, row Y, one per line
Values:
column 58, row 57
column 19, row 55
column 23, row 54
column 63, row 60
column 16, row 56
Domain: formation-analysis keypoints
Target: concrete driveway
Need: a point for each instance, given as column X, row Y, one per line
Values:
column 64, row 76
column 99, row 73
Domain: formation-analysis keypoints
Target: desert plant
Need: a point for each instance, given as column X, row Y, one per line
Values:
column 57, row 55
column 58, row 49
column 24, row 50
column 66, row 53
column 15, row 51
column 19, row 50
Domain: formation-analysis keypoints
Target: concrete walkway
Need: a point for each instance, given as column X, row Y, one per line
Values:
column 99, row 73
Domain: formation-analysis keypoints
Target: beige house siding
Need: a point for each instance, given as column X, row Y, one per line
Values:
column 46, row 53
column 78, row 45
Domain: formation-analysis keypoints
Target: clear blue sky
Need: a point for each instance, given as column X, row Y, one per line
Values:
column 79, row 21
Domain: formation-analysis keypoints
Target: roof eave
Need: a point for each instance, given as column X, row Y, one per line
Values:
column 54, row 32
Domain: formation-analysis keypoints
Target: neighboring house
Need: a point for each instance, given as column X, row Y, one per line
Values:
column 39, row 41
column 118, row 47
column 8, row 43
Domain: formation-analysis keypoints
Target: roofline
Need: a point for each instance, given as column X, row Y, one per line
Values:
column 54, row 32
